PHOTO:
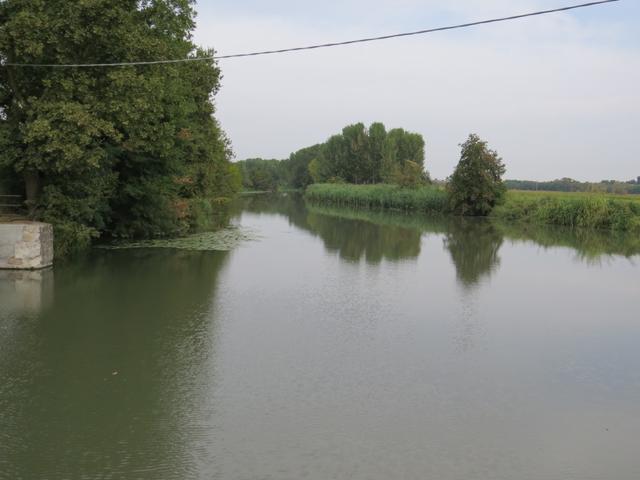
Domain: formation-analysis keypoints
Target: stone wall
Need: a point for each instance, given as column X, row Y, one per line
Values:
column 26, row 245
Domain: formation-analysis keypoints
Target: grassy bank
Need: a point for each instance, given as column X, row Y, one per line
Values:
column 584, row 210
column 425, row 199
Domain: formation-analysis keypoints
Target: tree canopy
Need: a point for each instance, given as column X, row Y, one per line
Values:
column 123, row 151
column 360, row 155
column 259, row 174
column 476, row 185
column 357, row 155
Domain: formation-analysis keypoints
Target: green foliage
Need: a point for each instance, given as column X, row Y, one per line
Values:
column 570, row 185
column 589, row 243
column 367, row 156
column 594, row 211
column 262, row 175
column 476, row 184
column 357, row 155
column 298, row 167
column 424, row 199
column 411, row 175
column 572, row 210
column 120, row 152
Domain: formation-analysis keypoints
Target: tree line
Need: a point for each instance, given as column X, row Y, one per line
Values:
column 367, row 156
column 571, row 185
column 357, row 155
column 119, row 152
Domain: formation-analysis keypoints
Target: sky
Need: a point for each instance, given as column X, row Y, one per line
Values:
column 556, row 96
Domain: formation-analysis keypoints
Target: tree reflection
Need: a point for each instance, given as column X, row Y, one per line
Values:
column 473, row 245
column 357, row 239
column 116, row 368
column 352, row 238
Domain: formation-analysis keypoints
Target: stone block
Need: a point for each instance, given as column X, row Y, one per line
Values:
column 26, row 245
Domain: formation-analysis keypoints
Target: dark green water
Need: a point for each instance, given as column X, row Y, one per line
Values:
column 341, row 345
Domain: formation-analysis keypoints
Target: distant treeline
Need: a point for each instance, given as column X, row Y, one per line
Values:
column 570, row 185
column 358, row 155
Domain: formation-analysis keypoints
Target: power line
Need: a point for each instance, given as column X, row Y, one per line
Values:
column 313, row 47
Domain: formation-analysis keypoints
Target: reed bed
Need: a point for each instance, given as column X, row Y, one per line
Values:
column 583, row 210
column 381, row 196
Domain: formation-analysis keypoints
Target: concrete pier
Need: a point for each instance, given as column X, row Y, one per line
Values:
column 26, row 245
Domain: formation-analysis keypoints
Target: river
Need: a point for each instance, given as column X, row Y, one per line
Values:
column 337, row 345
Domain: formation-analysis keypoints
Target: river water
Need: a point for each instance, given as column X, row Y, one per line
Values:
column 338, row 345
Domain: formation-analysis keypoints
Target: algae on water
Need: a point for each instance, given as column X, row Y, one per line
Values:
column 220, row 240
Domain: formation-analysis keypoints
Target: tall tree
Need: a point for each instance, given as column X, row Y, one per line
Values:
column 298, row 166
column 123, row 150
column 377, row 139
column 476, row 185
column 361, row 155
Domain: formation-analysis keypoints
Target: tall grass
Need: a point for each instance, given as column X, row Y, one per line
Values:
column 423, row 199
column 583, row 210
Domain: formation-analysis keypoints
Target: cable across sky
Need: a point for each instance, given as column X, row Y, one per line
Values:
column 313, row 47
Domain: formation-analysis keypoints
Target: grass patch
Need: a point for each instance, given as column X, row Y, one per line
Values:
column 422, row 199
column 584, row 210
column 570, row 209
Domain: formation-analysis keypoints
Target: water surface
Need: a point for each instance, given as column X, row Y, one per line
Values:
column 342, row 344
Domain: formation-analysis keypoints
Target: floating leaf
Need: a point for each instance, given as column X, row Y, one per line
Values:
column 220, row 240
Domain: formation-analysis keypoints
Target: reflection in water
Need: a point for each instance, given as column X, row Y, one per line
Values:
column 303, row 366
column 25, row 291
column 354, row 239
column 473, row 245
column 468, row 327
column 355, row 234
column 589, row 244
column 114, row 370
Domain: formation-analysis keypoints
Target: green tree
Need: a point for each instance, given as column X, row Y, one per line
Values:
column 401, row 147
column 263, row 175
column 377, row 139
column 297, row 165
column 357, row 168
column 360, row 155
column 476, row 185
column 127, row 151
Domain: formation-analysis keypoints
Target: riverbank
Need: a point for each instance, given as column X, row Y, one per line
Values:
column 429, row 199
column 585, row 210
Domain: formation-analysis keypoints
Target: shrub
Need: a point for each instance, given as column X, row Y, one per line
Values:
column 476, row 184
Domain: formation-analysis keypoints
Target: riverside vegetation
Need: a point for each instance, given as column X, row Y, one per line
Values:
column 128, row 152
column 475, row 188
column 585, row 210
column 136, row 152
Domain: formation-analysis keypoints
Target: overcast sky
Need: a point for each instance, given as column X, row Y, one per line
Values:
column 556, row 96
